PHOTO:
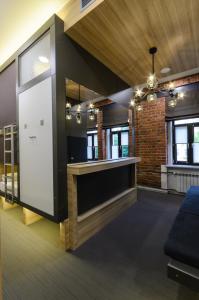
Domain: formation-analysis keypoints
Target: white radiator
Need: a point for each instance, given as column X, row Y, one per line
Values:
column 179, row 179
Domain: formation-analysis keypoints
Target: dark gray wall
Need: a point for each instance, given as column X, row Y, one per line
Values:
column 83, row 68
column 8, row 95
column 114, row 114
column 7, row 100
column 189, row 106
column 92, row 124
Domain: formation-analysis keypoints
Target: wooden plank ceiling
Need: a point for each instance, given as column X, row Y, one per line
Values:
column 120, row 32
column 80, row 92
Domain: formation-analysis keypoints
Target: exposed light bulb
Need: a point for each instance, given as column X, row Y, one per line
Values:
column 181, row 96
column 68, row 116
column 78, row 118
column 151, row 97
column 79, row 108
column 139, row 107
column 172, row 103
column 138, row 93
column 171, row 86
column 151, row 76
column 68, row 105
column 68, row 111
column 152, row 81
column 91, row 105
column 132, row 102
column 43, row 59
column 91, row 116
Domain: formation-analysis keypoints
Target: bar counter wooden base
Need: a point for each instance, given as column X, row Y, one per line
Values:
column 79, row 228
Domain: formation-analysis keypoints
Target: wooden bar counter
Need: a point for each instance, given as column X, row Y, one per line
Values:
column 97, row 193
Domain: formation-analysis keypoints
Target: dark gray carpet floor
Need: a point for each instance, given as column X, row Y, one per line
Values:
column 125, row 261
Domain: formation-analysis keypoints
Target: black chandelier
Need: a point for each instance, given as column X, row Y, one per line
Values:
column 152, row 88
column 77, row 113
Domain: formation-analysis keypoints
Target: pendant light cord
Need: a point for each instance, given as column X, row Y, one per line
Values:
column 153, row 63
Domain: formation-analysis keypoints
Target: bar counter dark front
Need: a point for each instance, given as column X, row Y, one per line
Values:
column 97, row 193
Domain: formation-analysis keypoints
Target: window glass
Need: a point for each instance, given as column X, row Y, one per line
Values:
column 95, row 140
column 196, row 153
column 35, row 61
column 196, row 145
column 115, row 153
column 196, row 134
column 186, row 121
column 182, row 152
column 124, row 138
column 125, row 151
column 89, row 152
column 115, row 139
column 181, row 134
column 89, row 141
column 96, row 152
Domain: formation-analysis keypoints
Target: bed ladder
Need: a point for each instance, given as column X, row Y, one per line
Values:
column 9, row 133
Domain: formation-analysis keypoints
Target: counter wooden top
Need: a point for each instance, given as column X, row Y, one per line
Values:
column 101, row 165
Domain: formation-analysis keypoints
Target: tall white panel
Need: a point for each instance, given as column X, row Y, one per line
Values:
column 36, row 146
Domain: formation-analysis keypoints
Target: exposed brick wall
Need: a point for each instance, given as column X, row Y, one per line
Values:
column 182, row 81
column 150, row 130
column 101, row 136
column 131, row 147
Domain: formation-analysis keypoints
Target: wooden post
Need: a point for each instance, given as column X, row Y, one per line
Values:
column 72, row 210
column 64, row 234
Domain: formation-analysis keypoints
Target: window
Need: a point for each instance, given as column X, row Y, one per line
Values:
column 92, row 145
column 119, row 142
column 36, row 60
column 186, row 141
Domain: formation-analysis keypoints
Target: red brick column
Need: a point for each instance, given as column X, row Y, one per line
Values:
column 101, row 136
column 150, row 134
column 130, row 119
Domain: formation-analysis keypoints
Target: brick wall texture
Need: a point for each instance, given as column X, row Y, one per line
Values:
column 101, row 136
column 150, row 131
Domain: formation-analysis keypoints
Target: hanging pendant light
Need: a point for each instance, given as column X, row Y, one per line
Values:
column 152, row 88
column 139, row 107
column 68, row 111
column 180, row 96
column 152, row 81
column 172, row 103
column 78, row 112
column 132, row 102
column 78, row 115
column 91, row 112
column 151, row 97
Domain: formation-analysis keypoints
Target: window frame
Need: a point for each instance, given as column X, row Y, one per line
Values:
column 190, row 141
column 92, row 134
column 119, row 132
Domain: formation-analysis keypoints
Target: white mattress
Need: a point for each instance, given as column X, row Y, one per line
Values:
column 9, row 186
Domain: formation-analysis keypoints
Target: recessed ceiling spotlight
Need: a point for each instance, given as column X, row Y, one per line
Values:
column 43, row 59
column 165, row 70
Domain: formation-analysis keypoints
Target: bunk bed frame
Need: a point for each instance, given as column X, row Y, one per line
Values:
column 9, row 190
